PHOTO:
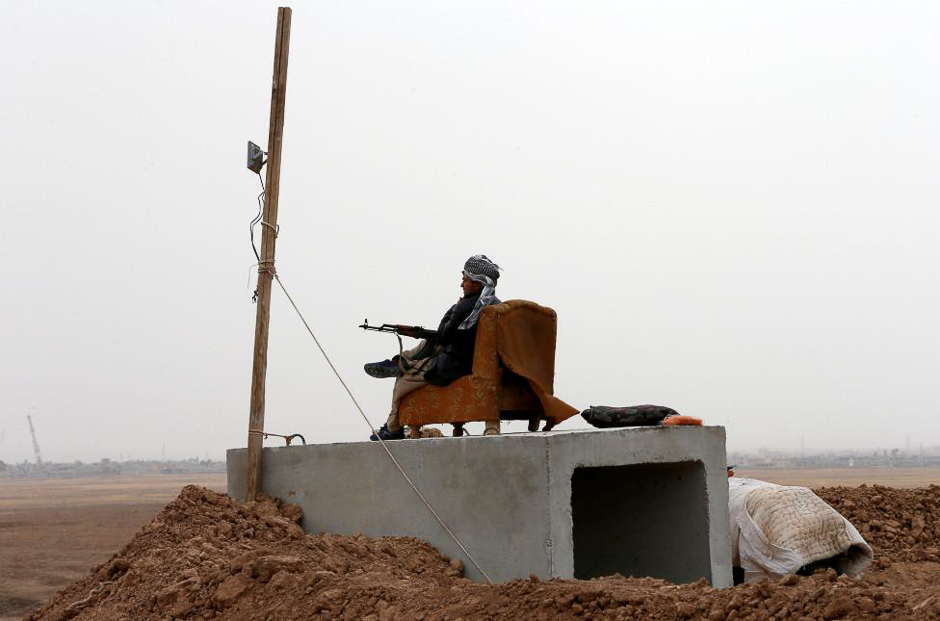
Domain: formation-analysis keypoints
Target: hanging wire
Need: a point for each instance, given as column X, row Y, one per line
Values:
column 395, row 461
column 256, row 220
column 269, row 267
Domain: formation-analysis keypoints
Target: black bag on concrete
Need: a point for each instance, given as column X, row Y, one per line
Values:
column 632, row 416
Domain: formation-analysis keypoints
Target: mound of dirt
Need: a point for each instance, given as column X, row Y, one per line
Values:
column 900, row 524
column 205, row 556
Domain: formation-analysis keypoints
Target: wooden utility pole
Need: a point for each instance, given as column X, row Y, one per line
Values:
column 266, row 267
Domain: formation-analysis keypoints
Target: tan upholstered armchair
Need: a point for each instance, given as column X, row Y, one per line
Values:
column 512, row 379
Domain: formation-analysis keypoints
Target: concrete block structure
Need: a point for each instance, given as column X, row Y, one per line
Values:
column 641, row 501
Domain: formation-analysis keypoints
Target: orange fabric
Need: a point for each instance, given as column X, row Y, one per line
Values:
column 524, row 349
column 521, row 335
column 682, row 420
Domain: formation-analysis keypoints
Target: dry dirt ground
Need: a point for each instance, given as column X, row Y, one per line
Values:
column 53, row 530
column 205, row 556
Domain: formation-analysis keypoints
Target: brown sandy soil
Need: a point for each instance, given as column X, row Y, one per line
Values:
column 822, row 477
column 206, row 556
column 53, row 530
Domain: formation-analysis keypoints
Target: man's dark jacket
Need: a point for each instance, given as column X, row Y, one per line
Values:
column 456, row 356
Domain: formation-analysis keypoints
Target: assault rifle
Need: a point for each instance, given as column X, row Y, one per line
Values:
column 415, row 332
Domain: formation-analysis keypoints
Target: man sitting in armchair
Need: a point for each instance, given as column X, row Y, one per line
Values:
column 442, row 360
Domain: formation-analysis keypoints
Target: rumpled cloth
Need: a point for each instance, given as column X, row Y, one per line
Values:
column 776, row 529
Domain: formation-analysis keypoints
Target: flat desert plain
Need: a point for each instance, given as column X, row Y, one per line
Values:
column 52, row 531
column 849, row 477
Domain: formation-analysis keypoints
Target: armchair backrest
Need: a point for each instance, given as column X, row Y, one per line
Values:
column 522, row 335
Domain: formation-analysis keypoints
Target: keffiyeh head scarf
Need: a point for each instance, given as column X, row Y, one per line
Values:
column 479, row 268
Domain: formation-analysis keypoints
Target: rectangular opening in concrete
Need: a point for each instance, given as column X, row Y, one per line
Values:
column 641, row 520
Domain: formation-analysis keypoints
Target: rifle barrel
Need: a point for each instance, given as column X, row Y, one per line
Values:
column 413, row 331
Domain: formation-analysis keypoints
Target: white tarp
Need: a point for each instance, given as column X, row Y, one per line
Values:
column 776, row 529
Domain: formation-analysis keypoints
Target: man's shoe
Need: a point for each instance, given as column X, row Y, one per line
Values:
column 387, row 435
column 386, row 368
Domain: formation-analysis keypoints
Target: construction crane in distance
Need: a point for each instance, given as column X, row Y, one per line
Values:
column 32, row 432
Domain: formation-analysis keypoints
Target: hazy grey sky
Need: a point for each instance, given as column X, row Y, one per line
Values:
column 732, row 206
